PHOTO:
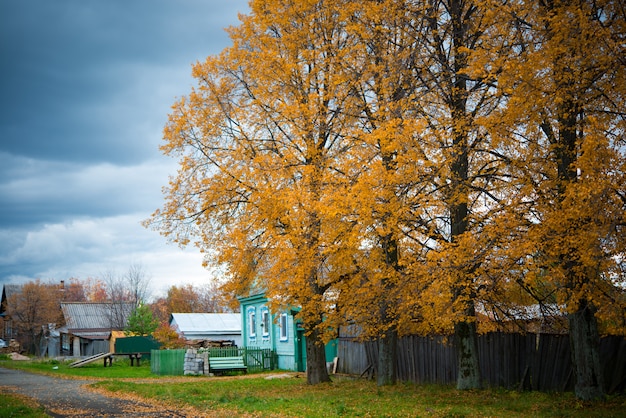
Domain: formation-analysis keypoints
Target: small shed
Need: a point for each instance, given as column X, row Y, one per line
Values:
column 208, row 326
column 136, row 344
column 88, row 326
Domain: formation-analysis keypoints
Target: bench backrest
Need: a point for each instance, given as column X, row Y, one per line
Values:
column 226, row 362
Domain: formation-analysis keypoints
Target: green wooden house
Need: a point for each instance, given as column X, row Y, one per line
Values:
column 261, row 328
column 280, row 332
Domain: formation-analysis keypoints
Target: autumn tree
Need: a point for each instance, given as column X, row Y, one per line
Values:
column 160, row 309
column 36, row 305
column 188, row 298
column 183, row 298
column 384, row 90
column 567, row 85
column 456, row 173
column 262, row 177
column 73, row 291
column 95, row 290
column 213, row 298
column 168, row 336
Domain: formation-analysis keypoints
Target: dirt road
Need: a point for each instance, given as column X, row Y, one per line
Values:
column 70, row 398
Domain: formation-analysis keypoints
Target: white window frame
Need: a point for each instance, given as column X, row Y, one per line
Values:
column 251, row 323
column 283, row 325
column 265, row 322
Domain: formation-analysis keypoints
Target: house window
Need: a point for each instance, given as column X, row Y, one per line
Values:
column 265, row 322
column 65, row 343
column 283, row 327
column 251, row 323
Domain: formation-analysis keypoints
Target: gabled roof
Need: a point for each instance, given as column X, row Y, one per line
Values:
column 8, row 290
column 205, row 323
column 90, row 316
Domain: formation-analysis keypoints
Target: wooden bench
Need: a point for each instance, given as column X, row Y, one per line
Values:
column 225, row 364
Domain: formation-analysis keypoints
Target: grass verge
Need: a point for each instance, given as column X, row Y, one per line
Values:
column 292, row 397
column 120, row 369
column 13, row 405
column 255, row 395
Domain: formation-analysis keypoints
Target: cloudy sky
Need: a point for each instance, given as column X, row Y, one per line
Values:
column 85, row 89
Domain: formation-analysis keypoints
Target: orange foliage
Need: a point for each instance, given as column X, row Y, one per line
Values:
column 408, row 168
column 168, row 336
column 36, row 304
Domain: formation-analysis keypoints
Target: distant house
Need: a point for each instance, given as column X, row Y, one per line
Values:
column 88, row 326
column 208, row 326
column 7, row 332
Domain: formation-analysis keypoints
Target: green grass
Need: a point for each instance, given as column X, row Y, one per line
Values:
column 120, row 368
column 292, row 397
column 344, row 397
column 12, row 405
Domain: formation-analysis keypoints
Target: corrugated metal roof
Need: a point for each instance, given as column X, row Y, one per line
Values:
column 207, row 322
column 95, row 316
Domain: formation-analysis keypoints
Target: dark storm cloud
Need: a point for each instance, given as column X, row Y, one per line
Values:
column 75, row 71
column 86, row 87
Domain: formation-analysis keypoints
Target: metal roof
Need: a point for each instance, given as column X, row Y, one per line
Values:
column 88, row 316
column 206, row 323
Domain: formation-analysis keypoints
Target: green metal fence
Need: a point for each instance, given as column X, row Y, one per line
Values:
column 167, row 362
column 256, row 359
column 172, row 362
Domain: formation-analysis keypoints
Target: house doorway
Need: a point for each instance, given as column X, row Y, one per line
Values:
column 300, row 349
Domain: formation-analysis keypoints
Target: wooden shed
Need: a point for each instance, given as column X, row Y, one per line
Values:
column 88, row 326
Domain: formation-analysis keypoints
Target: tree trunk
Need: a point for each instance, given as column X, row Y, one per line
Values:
column 584, row 338
column 464, row 330
column 316, row 371
column 465, row 336
column 388, row 341
column 584, row 342
column 387, row 348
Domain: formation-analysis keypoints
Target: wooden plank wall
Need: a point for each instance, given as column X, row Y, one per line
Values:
column 514, row 361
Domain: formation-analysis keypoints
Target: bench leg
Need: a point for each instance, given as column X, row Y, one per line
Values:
column 134, row 357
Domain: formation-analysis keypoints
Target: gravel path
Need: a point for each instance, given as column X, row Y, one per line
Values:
column 69, row 397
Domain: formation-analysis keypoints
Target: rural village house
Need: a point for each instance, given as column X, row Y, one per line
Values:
column 279, row 332
column 7, row 332
column 89, row 326
column 27, row 329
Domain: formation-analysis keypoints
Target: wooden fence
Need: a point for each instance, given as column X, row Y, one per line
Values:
column 529, row 362
column 167, row 362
